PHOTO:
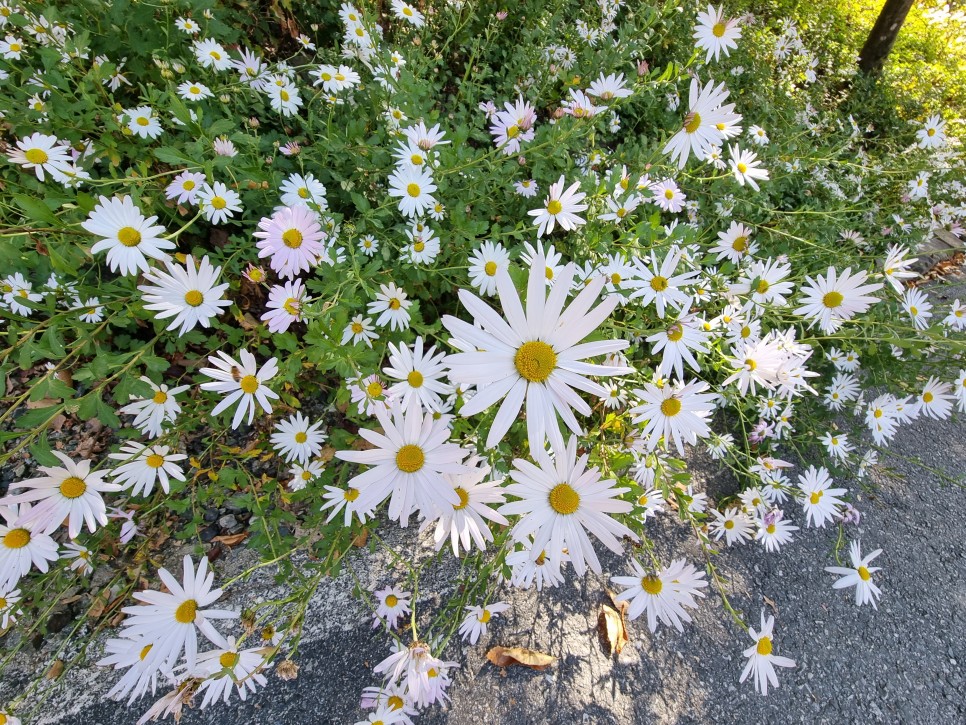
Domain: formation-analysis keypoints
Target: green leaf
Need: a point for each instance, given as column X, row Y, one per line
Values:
column 35, row 209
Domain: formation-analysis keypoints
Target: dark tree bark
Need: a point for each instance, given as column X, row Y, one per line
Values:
column 883, row 36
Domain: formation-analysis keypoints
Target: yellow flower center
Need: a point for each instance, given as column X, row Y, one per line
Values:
column 142, row 121
column 291, row 306
column 410, row 458
column 554, row 207
column 374, row 390
column 351, row 494
column 535, row 360
column 513, row 131
column 750, row 364
column 129, row 236
column 160, row 397
column 283, row 94
column 764, row 646
column 195, row 90
column 675, row 333
column 186, row 611
column 413, row 190
column 419, row 246
column 763, row 286
column 73, row 487
column 194, row 297
column 832, row 299
column 301, row 437
column 815, row 497
column 745, row 332
column 392, row 600
column 692, row 122
column 729, row 524
column 864, row 574
column 188, row 185
column 770, row 528
column 249, row 384
column 144, row 651
column 292, row 238
column 548, row 273
column 36, row 156
column 742, row 167
column 490, row 268
column 563, row 499
column 464, row 499
column 485, row 616
column 740, row 244
column 927, row 397
column 877, row 413
column 228, row 660
column 658, row 283
column 415, row 379
column 931, row 132
column 155, row 460
column 16, row 538
column 356, row 328
column 718, row 30
column 652, row 584
column 218, row 202
column 671, row 407
column 215, row 54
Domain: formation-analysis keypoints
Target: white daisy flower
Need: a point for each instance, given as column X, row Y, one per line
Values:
column 128, row 236
column 285, row 305
column 735, row 243
column 659, row 284
column 393, row 603
column 130, row 654
column 167, row 620
column 715, row 34
column 243, row 382
column 143, row 123
column 560, row 207
column 761, row 661
column 146, row 465
column 229, row 667
column 676, row 412
column 831, row 299
column 22, row 546
column 560, row 499
column 71, row 491
column 477, row 618
column 359, row 329
column 746, row 167
column 464, row 520
column 407, row 462
column 733, row 524
column 79, row 557
column 392, row 305
column 210, row 54
column 420, row 376
column 194, row 91
column 837, row 444
column 190, row 293
column 703, row 124
column 219, row 203
column 44, row 154
column 302, row 476
column 303, row 189
column 773, row 532
column 184, row 187
column 526, row 188
column 414, row 187
column 296, row 438
column 936, row 400
column 859, row 576
column 343, row 499
column 150, row 414
column 664, row 594
column 532, row 356
column 485, row 263
column 917, row 305
column 820, row 502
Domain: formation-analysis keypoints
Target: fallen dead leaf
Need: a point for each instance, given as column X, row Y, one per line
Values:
column 44, row 403
column 507, row 656
column 232, row 539
column 612, row 628
column 770, row 603
column 327, row 454
column 55, row 670
column 360, row 540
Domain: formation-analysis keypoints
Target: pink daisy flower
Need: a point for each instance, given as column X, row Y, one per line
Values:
column 292, row 238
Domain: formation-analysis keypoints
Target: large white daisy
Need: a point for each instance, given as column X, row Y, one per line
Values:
column 244, row 383
column 835, row 297
column 189, row 294
column 408, row 461
column 22, row 545
column 126, row 234
column 561, row 499
column 533, row 356
column 71, row 491
column 675, row 412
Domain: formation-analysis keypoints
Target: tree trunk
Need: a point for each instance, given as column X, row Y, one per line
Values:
column 883, row 35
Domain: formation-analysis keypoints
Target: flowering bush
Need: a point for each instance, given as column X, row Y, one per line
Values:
column 496, row 269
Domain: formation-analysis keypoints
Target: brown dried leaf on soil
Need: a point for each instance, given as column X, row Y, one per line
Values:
column 612, row 625
column 507, row 656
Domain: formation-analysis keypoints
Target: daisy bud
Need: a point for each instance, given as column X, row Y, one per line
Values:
column 558, row 113
column 224, row 98
column 642, row 68
column 522, row 160
column 501, row 15
column 254, row 122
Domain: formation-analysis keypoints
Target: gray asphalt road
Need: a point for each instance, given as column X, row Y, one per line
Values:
column 900, row 664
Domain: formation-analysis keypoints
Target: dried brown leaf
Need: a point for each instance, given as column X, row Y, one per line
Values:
column 360, row 540
column 612, row 628
column 55, row 670
column 770, row 603
column 232, row 539
column 507, row 656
